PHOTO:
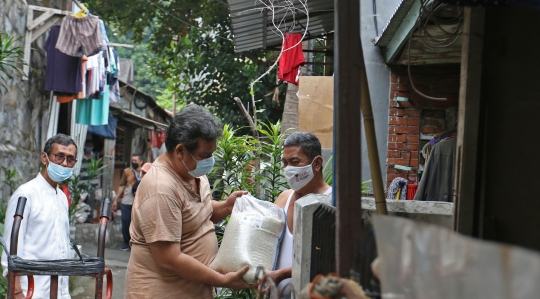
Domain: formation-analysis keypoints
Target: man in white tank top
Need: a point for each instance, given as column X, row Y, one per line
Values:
column 303, row 164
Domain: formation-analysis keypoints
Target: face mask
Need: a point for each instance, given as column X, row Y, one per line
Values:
column 134, row 165
column 88, row 149
column 298, row 177
column 203, row 167
column 58, row 173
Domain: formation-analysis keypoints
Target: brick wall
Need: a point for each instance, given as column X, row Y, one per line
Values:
column 418, row 117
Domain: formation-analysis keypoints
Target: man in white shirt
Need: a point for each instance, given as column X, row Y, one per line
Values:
column 303, row 169
column 44, row 231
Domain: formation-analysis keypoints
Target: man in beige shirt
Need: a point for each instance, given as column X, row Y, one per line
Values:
column 172, row 232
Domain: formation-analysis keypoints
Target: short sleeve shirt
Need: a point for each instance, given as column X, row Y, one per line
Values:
column 167, row 209
column 128, row 180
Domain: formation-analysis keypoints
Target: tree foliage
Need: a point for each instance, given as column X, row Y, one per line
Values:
column 146, row 79
column 11, row 57
column 202, row 67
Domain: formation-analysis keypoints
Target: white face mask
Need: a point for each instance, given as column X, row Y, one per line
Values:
column 299, row 176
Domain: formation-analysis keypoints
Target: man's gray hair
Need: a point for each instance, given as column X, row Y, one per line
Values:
column 190, row 124
column 309, row 143
column 61, row 139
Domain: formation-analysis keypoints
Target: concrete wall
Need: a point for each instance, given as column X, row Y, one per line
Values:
column 23, row 109
column 378, row 75
column 432, row 212
column 87, row 234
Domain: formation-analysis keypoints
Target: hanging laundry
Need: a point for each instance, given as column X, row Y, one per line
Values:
column 443, row 136
column 106, row 131
column 126, row 65
column 63, row 72
column 94, row 111
column 80, row 37
column 437, row 181
column 291, row 59
column 67, row 97
column 103, row 32
column 157, row 141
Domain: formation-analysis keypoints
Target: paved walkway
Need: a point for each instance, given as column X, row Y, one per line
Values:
column 117, row 261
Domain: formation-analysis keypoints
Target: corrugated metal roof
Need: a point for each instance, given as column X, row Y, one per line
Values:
column 395, row 21
column 248, row 24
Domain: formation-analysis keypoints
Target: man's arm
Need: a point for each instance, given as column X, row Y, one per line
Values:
column 118, row 193
column 222, row 209
column 120, row 190
column 281, row 274
column 168, row 257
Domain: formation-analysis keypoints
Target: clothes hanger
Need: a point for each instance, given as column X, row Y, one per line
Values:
column 82, row 13
column 297, row 23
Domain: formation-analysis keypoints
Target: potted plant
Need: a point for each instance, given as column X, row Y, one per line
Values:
column 78, row 188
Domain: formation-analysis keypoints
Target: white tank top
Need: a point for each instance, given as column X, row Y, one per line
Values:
column 285, row 259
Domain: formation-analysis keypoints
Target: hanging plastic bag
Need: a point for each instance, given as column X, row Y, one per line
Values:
column 251, row 237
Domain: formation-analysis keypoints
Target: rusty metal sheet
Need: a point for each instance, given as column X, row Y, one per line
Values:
column 423, row 261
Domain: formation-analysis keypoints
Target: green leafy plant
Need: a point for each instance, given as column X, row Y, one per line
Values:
column 233, row 170
column 365, row 188
column 270, row 174
column 232, row 294
column 76, row 187
column 10, row 58
column 10, row 178
column 3, row 286
column 327, row 172
column 94, row 170
column 12, row 182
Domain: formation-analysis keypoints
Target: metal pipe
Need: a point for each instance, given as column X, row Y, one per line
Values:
column 54, row 287
column 99, row 286
column 19, row 212
column 371, row 139
column 108, row 293
column 103, row 222
column 30, row 290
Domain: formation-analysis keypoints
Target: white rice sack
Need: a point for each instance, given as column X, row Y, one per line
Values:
column 251, row 237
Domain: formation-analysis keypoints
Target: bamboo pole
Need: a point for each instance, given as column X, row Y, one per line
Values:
column 371, row 139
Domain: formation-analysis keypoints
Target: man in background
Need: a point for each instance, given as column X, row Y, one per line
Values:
column 130, row 176
column 303, row 168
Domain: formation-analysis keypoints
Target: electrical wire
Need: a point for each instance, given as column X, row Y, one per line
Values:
column 286, row 6
column 291, row 8
column 430, row 12
column 440, row 14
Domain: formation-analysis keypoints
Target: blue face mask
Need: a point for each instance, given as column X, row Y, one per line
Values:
column 203, row 167
column 58, row 173
column 88, row 149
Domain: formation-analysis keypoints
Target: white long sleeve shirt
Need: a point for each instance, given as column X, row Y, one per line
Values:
column 44, row 232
